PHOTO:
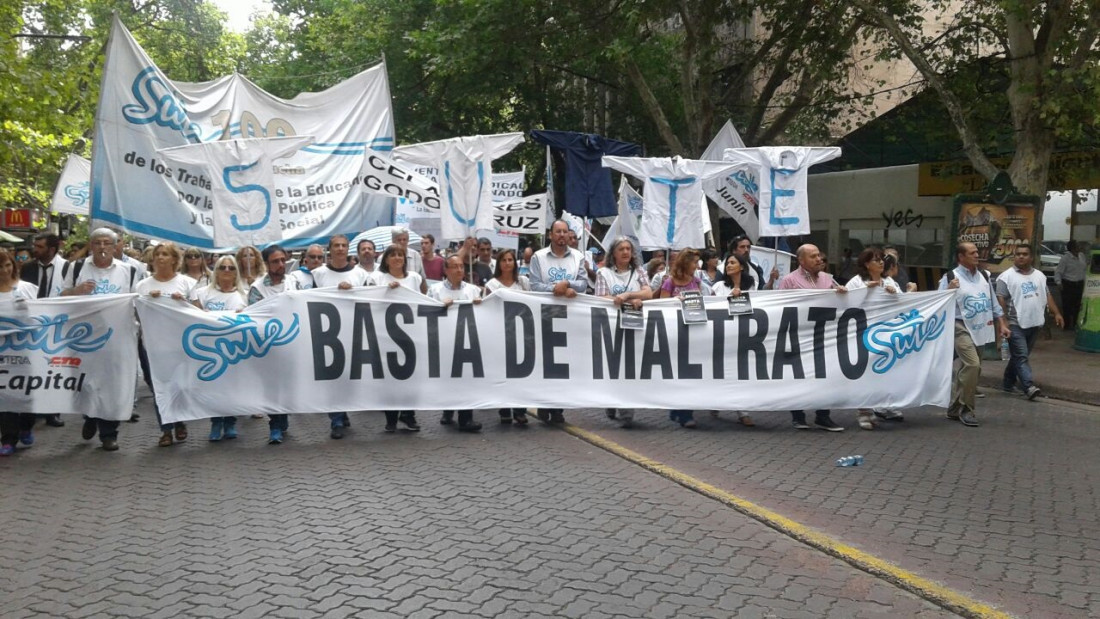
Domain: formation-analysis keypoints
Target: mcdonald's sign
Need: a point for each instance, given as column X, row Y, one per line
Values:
column 17, row 219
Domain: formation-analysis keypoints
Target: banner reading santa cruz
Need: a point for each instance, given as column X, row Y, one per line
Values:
column 69, row 355
column 316, row 192
column 379, row 348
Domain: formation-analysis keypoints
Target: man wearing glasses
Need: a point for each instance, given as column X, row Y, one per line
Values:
column 313, row 258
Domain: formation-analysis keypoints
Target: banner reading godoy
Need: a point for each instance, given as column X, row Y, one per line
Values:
column 69, row 355
column 328, row 350
column 71, row 194
column 316, row 191
column 240, row 177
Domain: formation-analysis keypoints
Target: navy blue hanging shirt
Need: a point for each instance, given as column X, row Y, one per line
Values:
column 588, row 189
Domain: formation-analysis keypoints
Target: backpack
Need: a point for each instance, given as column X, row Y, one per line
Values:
column 78, row 265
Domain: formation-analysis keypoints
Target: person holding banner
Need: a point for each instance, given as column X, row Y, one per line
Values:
column 194, row 266
column 448, row 291
column 506, row 275
column 734, row 279
column 366, row 252
column 741, row 247
column 166, row 281
column 413, row 262
column 45, row 272
column 313, row 257
column 624, row 282
column 811, row 275
column 682, row 278
column 976, row 310
column 274, row 283
column 392, row 273
column 558, row 269
column 339, row 271
column 225, row 294
column 870, row 269
column 105, row 274
column 14, row 427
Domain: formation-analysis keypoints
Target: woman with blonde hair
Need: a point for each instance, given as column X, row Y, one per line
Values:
column 250, row 264
column 14, row 427
column 682, row 278
column 194, row 266
column 226, row 293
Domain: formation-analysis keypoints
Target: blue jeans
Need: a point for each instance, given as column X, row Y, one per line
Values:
column 681, row 416
column 1020, row 344
column 338, row 420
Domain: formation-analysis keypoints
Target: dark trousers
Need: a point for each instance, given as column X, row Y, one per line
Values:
column 278, row 422
column 107, row 429
column 1071, row 301
column 464, row 416
column 393, row 416
column 12, row 424
column 819, row 415
column 143, row 359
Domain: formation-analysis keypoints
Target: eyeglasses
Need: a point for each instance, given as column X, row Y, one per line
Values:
column 314, row 257
column 193, row 257
column 227, row 267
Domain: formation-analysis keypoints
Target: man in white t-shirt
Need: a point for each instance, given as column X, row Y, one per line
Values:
column 339, row 272
column 276, row 282
column 120, row 254
column 558, row 269
column 102, row 273
column 452, row 289
column 1022, row 293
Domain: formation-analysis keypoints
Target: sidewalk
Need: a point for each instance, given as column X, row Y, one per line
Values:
column 1060, row 371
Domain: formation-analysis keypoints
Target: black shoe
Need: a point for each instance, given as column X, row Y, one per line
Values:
column 469, row 426
column 557, row 417
column 799, row 423
column 391, row 428
column 54, row 421
column 134, row 417
column 336, row 432
column 91, row 426
column 827, row 424
column 110, row 444
column 542, row 415
column 447, row 419
column 409, row 420
column 968, row 419
column 505, row 416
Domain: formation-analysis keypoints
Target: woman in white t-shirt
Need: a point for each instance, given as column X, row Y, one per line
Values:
column 870, row 267
column 733, row 280
column 14, row 427
column 226, row 293
column 194, row 266
column 624, row 282
column 391, row 272
column 165, row 281
column 506, row 274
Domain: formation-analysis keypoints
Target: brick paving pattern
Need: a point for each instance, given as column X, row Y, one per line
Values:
column 511, row 523
column 1007, row 513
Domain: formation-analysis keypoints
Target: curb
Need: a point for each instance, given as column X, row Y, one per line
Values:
column 939, row 595
column 1051, row 393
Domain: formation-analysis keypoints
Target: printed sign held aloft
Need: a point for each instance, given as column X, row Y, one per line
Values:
column 523, row 216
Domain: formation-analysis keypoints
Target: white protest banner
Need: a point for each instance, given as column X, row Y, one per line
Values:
column 551, row 204
column 69, row 355
column 508, row 186
column 240, row 173
column 332, row 350
column 629, row 219
column 766, row 258
column 315, row 191
column 523, row 216
column 71, row 196
column 737, row 192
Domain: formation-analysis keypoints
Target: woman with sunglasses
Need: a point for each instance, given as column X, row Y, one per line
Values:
column 226, row 293
column 194, row 266
column 391, row 272
column 165, row 281
column 14, row 427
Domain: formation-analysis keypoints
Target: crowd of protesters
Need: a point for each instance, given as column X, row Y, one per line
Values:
column 472, row 270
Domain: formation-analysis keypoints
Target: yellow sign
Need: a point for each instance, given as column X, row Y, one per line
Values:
column 1076, row 170
column 996, row 230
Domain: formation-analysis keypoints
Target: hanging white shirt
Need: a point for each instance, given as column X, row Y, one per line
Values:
column 671, row 216
column 241, row 181
column 465, row 178
column 782, row 172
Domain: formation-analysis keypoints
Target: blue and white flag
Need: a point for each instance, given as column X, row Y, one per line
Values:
column 72, row 194
column 315, row 192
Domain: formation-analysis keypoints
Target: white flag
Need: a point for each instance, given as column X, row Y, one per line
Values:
column 239, row 174
column 736, row 193
column 71, row 195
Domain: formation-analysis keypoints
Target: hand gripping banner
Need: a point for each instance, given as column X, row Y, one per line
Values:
column 389, row 349
column 315, row 193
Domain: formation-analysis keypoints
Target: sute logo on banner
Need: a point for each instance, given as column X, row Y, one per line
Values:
column 157, row 104
column 238, row 339
column 78, row 193
column 892, row 340
column 50, row 335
